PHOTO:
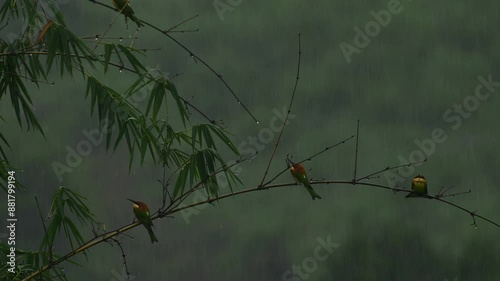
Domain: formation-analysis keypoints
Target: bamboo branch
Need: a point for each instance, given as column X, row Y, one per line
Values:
column 118, row 231
column 286, row 118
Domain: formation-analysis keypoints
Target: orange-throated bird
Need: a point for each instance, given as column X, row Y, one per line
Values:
column 418, row 187
column 123, row 6
column 141, row 212
column 299, row 174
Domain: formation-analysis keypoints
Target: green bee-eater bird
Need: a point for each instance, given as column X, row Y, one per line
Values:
column 418, row 187
column 299, row 174
column 141, row 212
column 123, row 6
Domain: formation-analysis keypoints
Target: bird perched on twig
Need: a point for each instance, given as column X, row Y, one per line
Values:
column 141, row 212
column 300, row 176
column 418, row 187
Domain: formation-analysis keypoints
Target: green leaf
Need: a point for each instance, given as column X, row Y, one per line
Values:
column 194, row 132
column 180, row 103
column 223, row 137
column 108, row 50
column 65, row 199
column 181, row 181
column 155, row 99
column 136, row 64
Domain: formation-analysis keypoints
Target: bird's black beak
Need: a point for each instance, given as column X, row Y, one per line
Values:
column 135, row 202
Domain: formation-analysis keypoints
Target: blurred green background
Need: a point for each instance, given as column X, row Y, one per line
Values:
column 424, row 61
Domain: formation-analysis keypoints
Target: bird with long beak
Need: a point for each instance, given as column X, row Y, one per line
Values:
column 418, row 187
column 300, row 176
column 142, row 214
column 123, row 6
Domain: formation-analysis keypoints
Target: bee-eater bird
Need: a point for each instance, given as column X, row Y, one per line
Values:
column 418, row 187
column 141, row 212
column 124, row 7
column 299, row 174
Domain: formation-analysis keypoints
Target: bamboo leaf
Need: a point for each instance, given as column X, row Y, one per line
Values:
column 180, row 103
column 158, row 99
column 152, row 97
column 209, row 141
column 136, row 64
column 223, row 137
column 181, row 181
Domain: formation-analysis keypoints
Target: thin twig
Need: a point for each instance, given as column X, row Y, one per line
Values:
column 390, row 168
column 184, row 31
column 439, row 192
column 97, row 36
column 186, row 102
column 309, row 158
column 181, row 23
column 109, row 26
column 117, row 241
column 356, row 154
column 442, row 195
column 472, row 213
column 286, row 118
column 448, row 189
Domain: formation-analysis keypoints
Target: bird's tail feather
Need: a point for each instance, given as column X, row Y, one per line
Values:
column 152, row 235
column 313, row 193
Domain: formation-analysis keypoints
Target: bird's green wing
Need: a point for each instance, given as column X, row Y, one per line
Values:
column 300, row 178
column 142, row 216
column 304, row 180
